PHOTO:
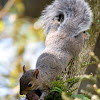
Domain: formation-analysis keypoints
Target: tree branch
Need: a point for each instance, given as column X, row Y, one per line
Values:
column 6, row 8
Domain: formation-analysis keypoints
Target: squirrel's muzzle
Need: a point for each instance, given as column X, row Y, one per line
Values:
column 22, row 91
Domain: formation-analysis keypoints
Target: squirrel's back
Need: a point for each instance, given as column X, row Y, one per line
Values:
column 64, row 20
column 77, row 16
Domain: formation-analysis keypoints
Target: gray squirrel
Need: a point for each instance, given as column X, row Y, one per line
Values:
column 64, row 22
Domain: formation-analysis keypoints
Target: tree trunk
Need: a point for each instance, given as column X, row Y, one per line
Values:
column 92, row 45
column 92, row 68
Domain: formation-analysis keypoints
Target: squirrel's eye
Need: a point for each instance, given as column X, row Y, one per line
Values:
column 30, row 84
column 84, row 31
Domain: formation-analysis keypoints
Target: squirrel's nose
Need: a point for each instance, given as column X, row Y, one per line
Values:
column 21, row 93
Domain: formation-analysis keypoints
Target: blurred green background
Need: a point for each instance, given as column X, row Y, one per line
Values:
column 22, row 40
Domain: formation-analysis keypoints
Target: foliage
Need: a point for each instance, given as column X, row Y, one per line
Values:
column 64, row 89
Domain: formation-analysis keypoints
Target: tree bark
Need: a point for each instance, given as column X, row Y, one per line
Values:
column 94, row 43
column 92, row 68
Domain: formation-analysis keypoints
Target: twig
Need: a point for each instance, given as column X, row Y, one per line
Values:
column 6, row 8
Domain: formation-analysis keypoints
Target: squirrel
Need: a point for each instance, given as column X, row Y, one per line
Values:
column 65, row 23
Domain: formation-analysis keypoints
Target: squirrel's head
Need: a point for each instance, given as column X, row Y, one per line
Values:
column 29, row 80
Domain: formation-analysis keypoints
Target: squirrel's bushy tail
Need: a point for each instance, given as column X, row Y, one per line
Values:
column 77, row 16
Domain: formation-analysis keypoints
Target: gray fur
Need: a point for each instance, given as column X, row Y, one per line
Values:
column 77, row 16
column 57, row 54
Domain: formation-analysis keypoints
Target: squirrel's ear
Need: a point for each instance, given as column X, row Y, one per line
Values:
column 24, row 69
column 36, row 73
